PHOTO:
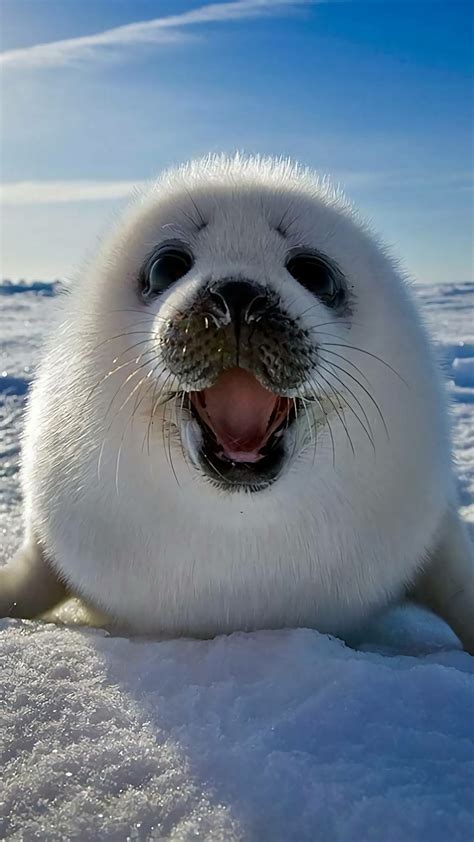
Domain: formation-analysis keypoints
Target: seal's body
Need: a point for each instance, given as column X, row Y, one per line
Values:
column 239, row 423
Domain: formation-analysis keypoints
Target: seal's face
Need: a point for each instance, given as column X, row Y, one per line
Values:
column 236, row 360
column 241, row 297
column 242, row 361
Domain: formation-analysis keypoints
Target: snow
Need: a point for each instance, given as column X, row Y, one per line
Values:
column 282, row 735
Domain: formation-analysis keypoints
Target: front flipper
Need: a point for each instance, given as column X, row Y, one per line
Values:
column 28, row 584
column 446, row 585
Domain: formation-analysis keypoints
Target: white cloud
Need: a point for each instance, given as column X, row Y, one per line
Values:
column 59, row 192
column 89, row 190
column 157, row 31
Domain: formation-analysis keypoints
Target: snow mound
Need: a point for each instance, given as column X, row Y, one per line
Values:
column 39, row 287
column 273, row 736
column 463, row 371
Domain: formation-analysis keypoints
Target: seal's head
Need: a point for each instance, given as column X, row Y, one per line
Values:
column 249, row 319
column 252, row 432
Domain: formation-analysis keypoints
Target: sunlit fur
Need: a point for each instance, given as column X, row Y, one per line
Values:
column 111, row 488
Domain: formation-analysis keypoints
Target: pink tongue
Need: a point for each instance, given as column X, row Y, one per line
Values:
column 238, row 409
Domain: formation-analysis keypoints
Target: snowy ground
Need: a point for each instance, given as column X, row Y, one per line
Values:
column 274, row 736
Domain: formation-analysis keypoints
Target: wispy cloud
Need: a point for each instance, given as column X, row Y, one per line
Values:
column 88, row 190
column 59, row 192
column 162, row 30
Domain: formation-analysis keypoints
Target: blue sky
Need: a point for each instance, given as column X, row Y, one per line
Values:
column 100, row 94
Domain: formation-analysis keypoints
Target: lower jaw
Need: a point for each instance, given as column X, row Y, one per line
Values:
column 242, row 476
column 232, row 476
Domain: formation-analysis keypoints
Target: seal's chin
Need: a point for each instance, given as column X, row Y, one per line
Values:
column 242, row 426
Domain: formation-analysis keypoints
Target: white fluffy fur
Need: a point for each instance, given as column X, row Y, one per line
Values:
column 327, row 543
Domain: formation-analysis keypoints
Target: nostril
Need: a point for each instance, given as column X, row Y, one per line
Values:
column 255, row 309
column 237, row 299
column 220, row 305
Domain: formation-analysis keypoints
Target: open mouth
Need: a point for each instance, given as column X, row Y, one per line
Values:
column 242, row 424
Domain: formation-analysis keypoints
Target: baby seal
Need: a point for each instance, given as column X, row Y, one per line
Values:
column 239, row 423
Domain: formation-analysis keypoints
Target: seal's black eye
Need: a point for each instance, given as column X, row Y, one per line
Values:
column 317, row 276
column 165, row 268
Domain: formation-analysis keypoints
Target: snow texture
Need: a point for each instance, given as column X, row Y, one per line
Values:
column 281, row 736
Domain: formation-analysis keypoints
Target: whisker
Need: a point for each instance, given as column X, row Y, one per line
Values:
column 165, row 427
column 152, row 411
column 181, row 411
column 141, row 312
column 368, row 430
column 326, row 419
column 117, row 369
column 335, row 322
column 324, row 333
column 361, row 385
column 295, row 409
column 284, row 228
column 344, row 402
column 200, row 216
column 336, row 410
column 170, row 449
column 311, row 427
column 138, row 402
column 109, row 427
column 349, row 362
column 146, row 437
column 191, row 220
column 369, row 354
column 122, row 335
column 124, row 383
column 143, row 321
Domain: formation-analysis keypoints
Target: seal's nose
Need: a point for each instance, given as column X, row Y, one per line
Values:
column 238, row 300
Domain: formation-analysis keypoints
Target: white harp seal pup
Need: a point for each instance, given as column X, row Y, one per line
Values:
column 239, row 422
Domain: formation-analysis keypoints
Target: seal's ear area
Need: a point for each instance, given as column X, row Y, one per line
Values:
column 28, row 584
column 446, row 586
